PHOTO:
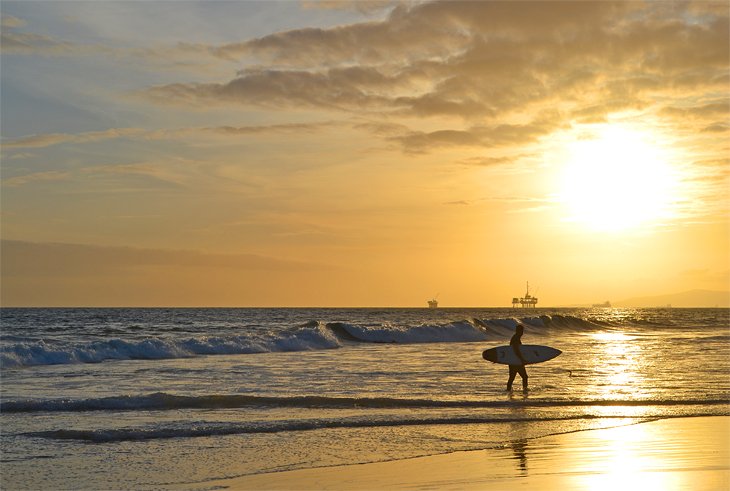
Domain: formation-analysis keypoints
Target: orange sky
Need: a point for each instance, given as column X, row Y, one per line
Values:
column 363, row 153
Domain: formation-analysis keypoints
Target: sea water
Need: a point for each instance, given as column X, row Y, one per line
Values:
column 149, row 398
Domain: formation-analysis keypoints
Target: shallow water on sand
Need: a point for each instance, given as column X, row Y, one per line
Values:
column 121, row 398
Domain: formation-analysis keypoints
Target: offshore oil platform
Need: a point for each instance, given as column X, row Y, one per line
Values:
column 433, row 303
column 528, row 301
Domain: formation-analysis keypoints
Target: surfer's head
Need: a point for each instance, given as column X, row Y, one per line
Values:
column 520, row 329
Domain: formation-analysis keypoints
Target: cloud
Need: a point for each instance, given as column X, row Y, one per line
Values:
column 19, row 156
column 48, row 139
column 713, row 110
column 409, row 140
column 491, row 161
column 9, row 21
column 14, row 42
column 347, row 88
column 475, row 70
column 418, row 31
column 164, row 173
column 362, row 6
column 157, row 173
column 403, row 36
column 274, row 128
column 710, row 117
column 598, row 113
column 717, row 128
column 420, row 141
column 480, row 61
column 35, row 177
column 181, row 56
column 479, row 136
column 460, row 202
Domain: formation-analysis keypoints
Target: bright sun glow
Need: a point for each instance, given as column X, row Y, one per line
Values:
column 618, row 180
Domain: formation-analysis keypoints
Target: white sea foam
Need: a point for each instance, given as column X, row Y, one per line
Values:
column 312, row 335
column 452, row 332
column 52, row 353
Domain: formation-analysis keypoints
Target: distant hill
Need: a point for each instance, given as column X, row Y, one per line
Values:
column 691, row 298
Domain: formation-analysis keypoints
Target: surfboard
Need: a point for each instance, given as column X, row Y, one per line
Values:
column 533, row 353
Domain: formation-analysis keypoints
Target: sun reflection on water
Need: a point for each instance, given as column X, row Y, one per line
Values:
column 625, row 464
column 618, row 362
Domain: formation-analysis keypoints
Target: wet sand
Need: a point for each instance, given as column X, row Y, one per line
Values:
column 669, row 454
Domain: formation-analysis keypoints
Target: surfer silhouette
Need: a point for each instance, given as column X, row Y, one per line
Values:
column 516, row 343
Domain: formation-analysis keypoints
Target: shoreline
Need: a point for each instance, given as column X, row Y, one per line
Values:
column 669, row 453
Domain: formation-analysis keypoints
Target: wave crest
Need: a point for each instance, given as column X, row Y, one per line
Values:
column 52, row 353
column 312, row 335
column 164, row 401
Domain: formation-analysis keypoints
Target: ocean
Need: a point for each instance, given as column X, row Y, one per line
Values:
column 154, row 398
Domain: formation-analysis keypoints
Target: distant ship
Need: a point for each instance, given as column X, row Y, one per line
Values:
column 526, row 301
column 605, row 304
column 433, row 303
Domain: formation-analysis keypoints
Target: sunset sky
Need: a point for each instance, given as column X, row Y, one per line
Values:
column 371, row 153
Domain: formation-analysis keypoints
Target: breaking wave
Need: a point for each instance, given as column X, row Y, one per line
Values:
column 43, row 352
column 313, row 335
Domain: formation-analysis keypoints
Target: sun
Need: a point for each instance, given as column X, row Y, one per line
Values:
column 617, row 179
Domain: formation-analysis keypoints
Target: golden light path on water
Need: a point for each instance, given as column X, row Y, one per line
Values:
column 660, row 455
column 620, row 364
column 623, row 458
column 621, row 462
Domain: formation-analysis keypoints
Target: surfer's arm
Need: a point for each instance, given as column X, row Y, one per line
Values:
column 518, row 351
column 517, row 348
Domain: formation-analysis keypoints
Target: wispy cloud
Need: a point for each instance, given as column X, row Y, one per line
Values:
column 25, row 43
column 479, row 136
column 719, row 109
column 50, row 139
column 35, row 177
column 9, row 21
column 364, row 6
column 46, row 140
column 17, row 38
column 487, row 161
column 273, row 128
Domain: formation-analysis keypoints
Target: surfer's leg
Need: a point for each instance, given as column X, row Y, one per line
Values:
column 512, row 375
column 523, row 373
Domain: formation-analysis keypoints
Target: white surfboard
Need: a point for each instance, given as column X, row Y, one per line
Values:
column 533, row 353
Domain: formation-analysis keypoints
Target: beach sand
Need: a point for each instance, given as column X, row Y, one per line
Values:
column 670, row 454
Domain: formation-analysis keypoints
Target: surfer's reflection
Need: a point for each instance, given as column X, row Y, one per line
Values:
column 519, row 447
column 518, row 440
